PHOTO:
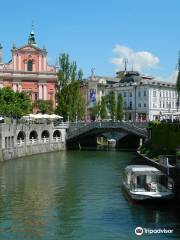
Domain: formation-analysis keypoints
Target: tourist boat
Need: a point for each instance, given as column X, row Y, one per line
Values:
column 143, row 182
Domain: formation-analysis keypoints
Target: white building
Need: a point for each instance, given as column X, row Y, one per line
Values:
column 144, row 97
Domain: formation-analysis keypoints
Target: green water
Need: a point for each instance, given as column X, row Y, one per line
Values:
column 76, row 195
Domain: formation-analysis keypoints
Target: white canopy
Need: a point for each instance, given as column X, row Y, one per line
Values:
column 41, row 116
column 54, row 116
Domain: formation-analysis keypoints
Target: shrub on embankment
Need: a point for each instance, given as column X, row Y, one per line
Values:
column 164, row 139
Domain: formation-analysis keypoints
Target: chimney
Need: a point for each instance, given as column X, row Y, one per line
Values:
column 0, row 53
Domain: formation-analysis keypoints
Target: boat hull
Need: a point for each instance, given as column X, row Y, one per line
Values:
column 140, row 196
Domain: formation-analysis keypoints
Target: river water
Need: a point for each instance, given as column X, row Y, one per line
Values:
column 76, row 195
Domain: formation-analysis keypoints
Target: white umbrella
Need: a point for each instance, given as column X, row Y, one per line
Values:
column 54, row 116
column 45, row 116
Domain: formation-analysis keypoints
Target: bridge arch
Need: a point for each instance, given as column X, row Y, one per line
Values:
column 21, row 136
column 33, row 135
column 45, row 134
column 57, row 136
column 129, row 134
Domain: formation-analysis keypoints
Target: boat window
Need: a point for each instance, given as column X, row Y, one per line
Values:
column 141, row 181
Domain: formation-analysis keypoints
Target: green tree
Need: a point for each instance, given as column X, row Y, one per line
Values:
column 178, row 84
column 103, row 110
column 14, row 104
column 69, row 98
column 95, row 111
column 119, row 109
column 44, row 106
column 111, row 103
column 64, row 70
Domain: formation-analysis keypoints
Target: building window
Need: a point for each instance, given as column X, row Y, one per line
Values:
column 139, row 94
column 154, row 93
column 30, row 65
column 160, row 104
column 160, row 94
column 36, row 96
column 130, row 94
column 144, row 93
column 139, row 105
column 124, row 94
column 145, row 105
column 130, row 105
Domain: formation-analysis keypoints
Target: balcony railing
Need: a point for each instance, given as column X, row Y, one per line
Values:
column 44, row 140
column 20, row 142
column 33, row 141
column 57, row 139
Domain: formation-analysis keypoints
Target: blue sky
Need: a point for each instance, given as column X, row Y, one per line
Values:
column 146, row 31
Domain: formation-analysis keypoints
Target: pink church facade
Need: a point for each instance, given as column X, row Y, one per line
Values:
column 28, row 71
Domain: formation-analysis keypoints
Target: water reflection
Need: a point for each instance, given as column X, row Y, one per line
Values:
column 74, row 195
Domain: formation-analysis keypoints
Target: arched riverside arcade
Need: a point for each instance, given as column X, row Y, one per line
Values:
column 19, row 140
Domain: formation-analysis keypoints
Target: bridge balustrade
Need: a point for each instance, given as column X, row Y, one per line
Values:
column 33, row 141
column 57, row 139
column 20, row 142
column 45, row 140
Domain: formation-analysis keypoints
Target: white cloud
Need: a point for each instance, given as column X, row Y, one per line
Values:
column 140, row 60
column 171, row 78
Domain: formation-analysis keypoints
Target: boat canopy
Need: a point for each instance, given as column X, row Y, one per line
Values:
column 142, row 170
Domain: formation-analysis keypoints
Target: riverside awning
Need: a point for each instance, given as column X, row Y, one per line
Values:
column 41, row 116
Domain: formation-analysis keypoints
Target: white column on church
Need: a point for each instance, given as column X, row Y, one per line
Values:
column 40, row 91
column 14, row 62
column 19, row 87
column 45, row 92
column 44, row 63
column 14, row 87
column 40, row 63
column 25, row 66
column 19, row 62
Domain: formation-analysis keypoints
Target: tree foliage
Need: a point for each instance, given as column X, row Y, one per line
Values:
column 119, row 109
column 111, row 104
column 14, row 104
column 103, row 110
column 69, row 98
column 95, row 111
column 44, row 106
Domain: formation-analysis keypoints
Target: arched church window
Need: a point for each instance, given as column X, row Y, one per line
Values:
column 30, row 65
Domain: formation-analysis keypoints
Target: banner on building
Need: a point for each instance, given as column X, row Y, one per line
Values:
column 92, row 96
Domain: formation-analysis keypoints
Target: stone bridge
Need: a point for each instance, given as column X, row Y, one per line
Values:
column 81, row 131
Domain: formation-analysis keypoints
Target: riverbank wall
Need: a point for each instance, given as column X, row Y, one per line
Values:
column 16, row 152
column 174, row 172
column 17, row 140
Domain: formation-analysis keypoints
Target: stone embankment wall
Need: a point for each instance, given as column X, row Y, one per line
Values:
column 16, row 152
column 25, row 140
